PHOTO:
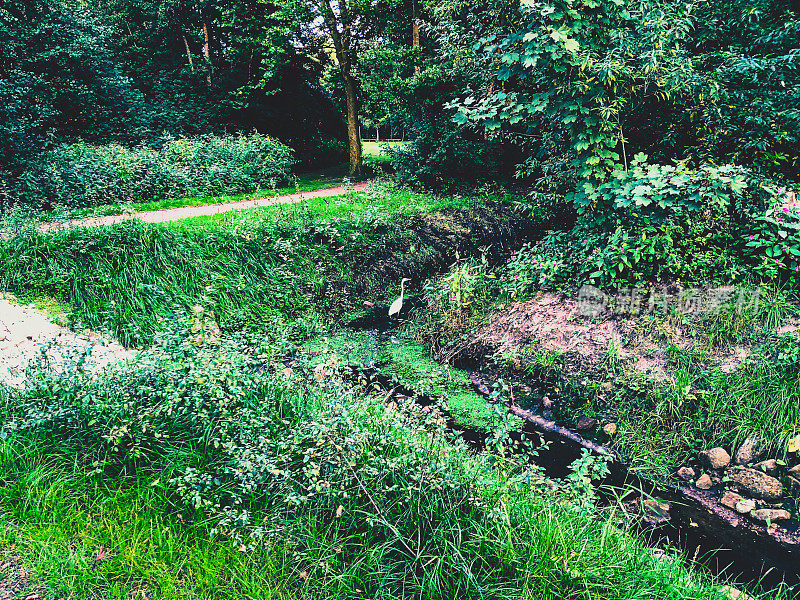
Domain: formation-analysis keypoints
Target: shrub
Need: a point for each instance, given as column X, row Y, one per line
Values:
column 80, row 175
column 652, row 192
column 774, row 243
column 646, row 224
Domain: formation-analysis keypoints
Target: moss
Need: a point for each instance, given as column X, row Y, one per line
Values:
column 411, row 365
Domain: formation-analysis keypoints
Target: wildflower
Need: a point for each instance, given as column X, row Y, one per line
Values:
column 750, row 239
column 785, row 210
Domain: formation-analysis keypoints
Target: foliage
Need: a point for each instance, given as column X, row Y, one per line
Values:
column 58, row 77
column 645, row 224
column 653, row 193
column 747, row 48
column 584, row 72
column 80, row 175
column 439, row 153
column 774, row 245
column 338, row 493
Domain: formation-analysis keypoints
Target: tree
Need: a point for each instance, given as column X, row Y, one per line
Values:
column 580, row 78
column 342, row 28
column 214, row 65
column 59, row 79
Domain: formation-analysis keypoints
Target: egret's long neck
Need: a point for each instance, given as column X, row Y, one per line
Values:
column 402, row 288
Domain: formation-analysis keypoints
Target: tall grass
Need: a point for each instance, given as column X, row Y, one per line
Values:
column 346, row 498
column 133, row 277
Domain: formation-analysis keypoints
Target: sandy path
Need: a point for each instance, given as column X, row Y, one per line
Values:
column 27, row 333
column 174, row 214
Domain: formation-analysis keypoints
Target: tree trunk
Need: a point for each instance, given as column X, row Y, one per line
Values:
column 414, row 32
column 356, row 161
column 188, row 53
column 345, row 51
column 415, row 42
column 207, row 50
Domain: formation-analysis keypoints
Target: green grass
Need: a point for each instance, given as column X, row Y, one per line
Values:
column 373, row 149
column 662, row 424
column 418, row 516
column 57, row 522
column 251, row 267
column 402, row 204
column 422, row 517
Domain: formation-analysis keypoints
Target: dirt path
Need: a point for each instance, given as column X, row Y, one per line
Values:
column 26, row 333
column 174, row 214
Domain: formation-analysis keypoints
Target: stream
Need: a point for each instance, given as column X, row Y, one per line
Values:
column 675, row 516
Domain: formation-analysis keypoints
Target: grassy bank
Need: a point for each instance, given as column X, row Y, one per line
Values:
column 289, row 263
column 189, row 474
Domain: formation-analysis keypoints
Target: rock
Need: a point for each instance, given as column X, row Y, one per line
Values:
column 586, row 423
column 771, row 514
column 730, row 499
column 795, row 471
column 750, row 450
column 547, row 403
column 715, row 458
column 655, row 512
column 745, row 506
column 794, row 483
column 686, row 473
column 755, row 483
column 610, row 429
column 704, row 483
column 734, row 594
column 768, row 466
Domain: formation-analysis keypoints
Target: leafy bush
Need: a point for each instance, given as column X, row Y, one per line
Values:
column 80, row 175
column 654, row 193
column 774, row 244
column 646, row 224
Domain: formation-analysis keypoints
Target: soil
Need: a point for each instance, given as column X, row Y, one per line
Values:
column 28, row 334
column 557, row 324
column 13, row 578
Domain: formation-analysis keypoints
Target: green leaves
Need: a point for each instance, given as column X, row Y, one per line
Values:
column 585, row 72
column 666, row 190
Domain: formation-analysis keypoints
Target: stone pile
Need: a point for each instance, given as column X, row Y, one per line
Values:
column 744, row 483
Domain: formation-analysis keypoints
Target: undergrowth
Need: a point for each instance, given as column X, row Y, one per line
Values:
column 201, row 471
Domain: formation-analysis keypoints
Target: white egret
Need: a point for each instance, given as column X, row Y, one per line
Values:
column 398, row 304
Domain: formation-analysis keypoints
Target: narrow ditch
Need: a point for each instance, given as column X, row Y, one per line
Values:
column 668, row 515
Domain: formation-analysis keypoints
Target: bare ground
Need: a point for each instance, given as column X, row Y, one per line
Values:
column 28, row 334
column 556, row 324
